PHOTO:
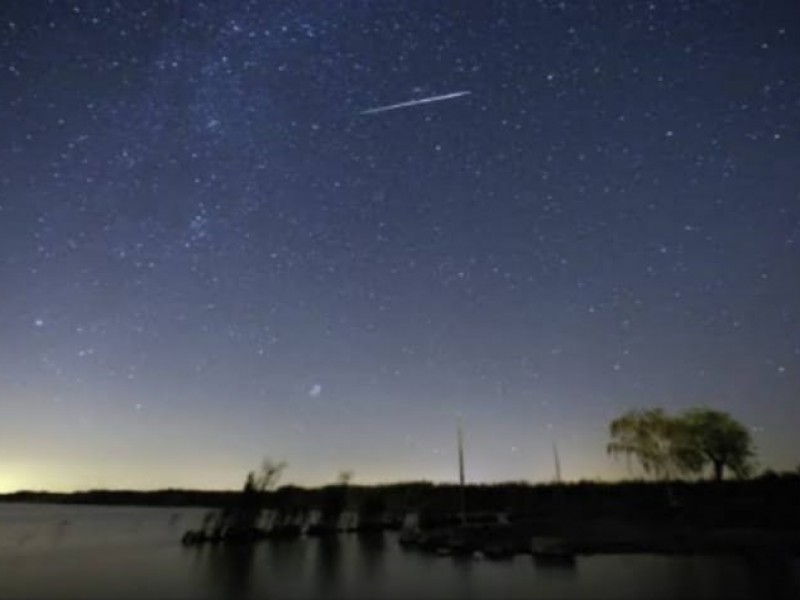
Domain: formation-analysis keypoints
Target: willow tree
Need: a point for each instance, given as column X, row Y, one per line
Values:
column 667, row 446
column 654, row 439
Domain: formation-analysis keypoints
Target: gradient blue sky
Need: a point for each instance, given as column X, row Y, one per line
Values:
column 208, row 255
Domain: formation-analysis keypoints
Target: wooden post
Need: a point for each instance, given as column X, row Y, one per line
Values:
column 558, row 463
column 461, row 473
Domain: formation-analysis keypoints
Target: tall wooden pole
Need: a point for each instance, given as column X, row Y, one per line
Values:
column 461, row 473
column 558, row 463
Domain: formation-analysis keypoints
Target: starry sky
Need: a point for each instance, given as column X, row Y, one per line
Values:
column 209, row 254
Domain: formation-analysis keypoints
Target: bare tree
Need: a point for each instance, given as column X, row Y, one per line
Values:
column 345, row 477
column 269, row 475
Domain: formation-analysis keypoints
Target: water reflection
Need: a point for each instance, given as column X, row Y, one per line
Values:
column 327, row 565
column 557, row 569
column 283, row 568
column 230, row 568
column 173, row 521
column 95, row 554
column 371, row 554
column 60, row 531
column 780, row 577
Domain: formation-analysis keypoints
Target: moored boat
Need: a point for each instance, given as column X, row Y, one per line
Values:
column 552, row 551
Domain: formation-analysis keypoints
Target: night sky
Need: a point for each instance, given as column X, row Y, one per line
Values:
column 209, row 255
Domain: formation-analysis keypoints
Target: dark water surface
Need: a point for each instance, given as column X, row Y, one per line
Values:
column 52, row 551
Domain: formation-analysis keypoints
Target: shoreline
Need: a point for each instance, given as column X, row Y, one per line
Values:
column 511, row 540
column 756, row 516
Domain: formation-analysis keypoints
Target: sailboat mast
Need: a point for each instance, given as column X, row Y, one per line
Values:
column 558, row 463
column 461, row 473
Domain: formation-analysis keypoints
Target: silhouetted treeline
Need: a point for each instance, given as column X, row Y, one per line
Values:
column 169, row 497
column 767, row 501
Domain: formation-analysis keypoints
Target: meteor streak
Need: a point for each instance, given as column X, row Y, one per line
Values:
column 408, row 103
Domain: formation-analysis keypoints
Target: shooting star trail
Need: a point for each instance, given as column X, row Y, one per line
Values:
column 381, row 109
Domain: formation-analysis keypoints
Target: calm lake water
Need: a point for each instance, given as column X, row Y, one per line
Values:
column 52, row 551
